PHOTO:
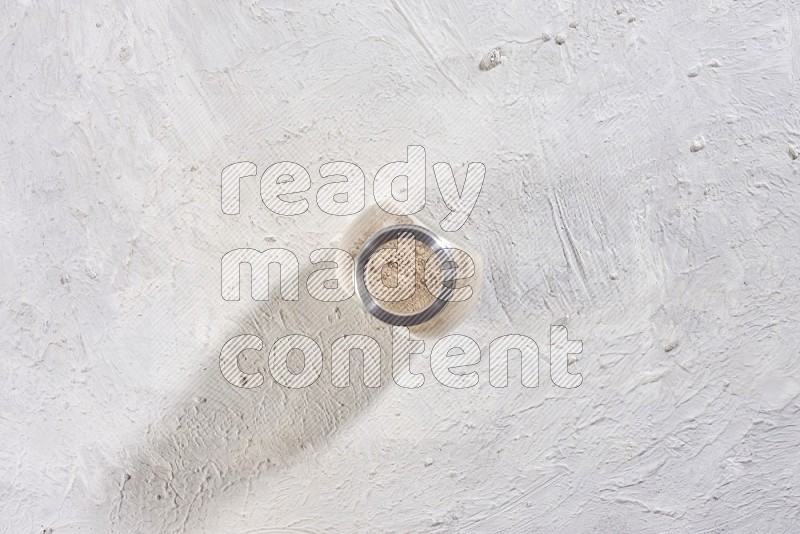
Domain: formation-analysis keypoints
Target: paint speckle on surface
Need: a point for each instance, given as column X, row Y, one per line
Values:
column 491, row 59
column 125, row 54
column 698, row 144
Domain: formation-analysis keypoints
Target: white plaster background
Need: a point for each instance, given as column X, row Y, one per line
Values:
column 677, row 268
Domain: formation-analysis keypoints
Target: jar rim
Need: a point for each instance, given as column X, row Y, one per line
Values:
column 439, row 246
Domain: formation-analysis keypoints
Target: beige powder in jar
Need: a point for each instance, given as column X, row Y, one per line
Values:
column 389, row 275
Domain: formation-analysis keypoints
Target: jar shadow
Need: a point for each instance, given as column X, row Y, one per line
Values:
column 216, row 437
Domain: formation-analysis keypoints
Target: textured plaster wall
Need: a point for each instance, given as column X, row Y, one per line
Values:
column 641, row 188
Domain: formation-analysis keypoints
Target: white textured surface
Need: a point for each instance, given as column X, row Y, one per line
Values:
column 640, row 189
